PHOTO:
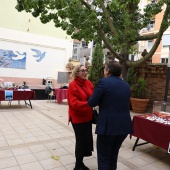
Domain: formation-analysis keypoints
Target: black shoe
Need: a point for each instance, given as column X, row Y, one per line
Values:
column 78, row 168
column 84, row 167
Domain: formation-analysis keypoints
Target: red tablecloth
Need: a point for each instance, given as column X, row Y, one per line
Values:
column 60, row 94
column 19, row 95
column 153, row 128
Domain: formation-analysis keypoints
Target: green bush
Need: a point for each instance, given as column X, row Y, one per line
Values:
column 140, row 89
column 131, row 76
column 96, row 69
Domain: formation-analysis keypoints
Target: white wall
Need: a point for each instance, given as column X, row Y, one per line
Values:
column 23, row 21
column 58, row 51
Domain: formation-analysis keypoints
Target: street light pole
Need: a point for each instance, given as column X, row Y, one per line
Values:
column 167, row 83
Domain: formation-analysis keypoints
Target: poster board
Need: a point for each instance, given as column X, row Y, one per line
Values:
column 62, row 77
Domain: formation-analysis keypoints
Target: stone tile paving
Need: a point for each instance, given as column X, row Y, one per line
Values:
column 29, row 137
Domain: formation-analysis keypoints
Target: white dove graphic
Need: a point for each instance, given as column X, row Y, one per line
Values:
column 39, row 55
column 19, row 56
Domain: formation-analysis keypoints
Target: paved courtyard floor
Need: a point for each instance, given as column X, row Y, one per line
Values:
column 29, row 137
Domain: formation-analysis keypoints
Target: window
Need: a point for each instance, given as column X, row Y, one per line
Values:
column 150, row 44
column 84, row 44
column 152, row 24
column 94, row 43
column 132, row 57
column 153, row 1
column 164, row 60
column 75, row 52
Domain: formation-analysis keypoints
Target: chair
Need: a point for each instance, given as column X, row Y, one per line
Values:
column 50, row 92
column 51, row 95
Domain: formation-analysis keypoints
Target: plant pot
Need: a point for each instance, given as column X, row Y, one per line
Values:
column 139, row 105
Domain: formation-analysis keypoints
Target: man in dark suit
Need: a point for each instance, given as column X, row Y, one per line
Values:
column 112, row 95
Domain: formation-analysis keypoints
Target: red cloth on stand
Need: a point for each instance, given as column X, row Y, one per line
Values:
column 149, row 128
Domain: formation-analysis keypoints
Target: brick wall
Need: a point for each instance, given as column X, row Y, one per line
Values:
column 155, row 75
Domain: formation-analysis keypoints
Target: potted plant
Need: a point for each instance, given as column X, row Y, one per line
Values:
column 139, row 96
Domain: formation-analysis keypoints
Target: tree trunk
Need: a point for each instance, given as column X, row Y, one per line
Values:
column 124, row 71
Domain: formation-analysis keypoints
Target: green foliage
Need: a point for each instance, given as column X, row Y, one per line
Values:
column 96, row 69
column 140, row 89
column 131, row 76
column 117, row 23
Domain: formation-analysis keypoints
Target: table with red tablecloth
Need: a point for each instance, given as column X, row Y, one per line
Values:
column 153, row 128
column 60, row 94
column 19, row 95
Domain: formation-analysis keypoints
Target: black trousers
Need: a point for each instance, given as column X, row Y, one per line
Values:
column 84, row 139
column 107, row 151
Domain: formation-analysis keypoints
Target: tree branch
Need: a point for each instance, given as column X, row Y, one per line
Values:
column 86, row 4
column 149, row 55
column 101, row 32
column 163, row 28
column 147, row 37
column 108, row 19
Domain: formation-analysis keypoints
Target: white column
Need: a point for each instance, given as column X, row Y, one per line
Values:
column 91, row 52
column 169, row 57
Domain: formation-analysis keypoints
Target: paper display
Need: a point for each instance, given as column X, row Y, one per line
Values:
column 8, row 95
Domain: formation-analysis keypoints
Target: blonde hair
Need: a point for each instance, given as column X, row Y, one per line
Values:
column 75, row 70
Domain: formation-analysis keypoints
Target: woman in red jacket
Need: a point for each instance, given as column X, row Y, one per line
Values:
column 80, row 114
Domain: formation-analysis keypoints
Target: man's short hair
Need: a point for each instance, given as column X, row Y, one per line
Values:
column 115, row 69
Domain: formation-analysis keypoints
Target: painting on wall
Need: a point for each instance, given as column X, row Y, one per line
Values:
column 15, row 59
column 11, row 59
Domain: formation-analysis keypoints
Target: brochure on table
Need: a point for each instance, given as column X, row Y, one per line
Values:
column 8, row 95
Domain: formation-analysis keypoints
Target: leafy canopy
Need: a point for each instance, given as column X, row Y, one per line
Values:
column 116, row 22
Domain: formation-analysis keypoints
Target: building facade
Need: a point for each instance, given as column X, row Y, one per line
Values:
column 161, row 54
column 29, row 50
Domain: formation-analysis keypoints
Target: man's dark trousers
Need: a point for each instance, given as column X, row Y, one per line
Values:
column 107, row 150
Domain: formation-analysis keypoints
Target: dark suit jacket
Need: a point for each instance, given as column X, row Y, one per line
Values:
column 112, row 95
